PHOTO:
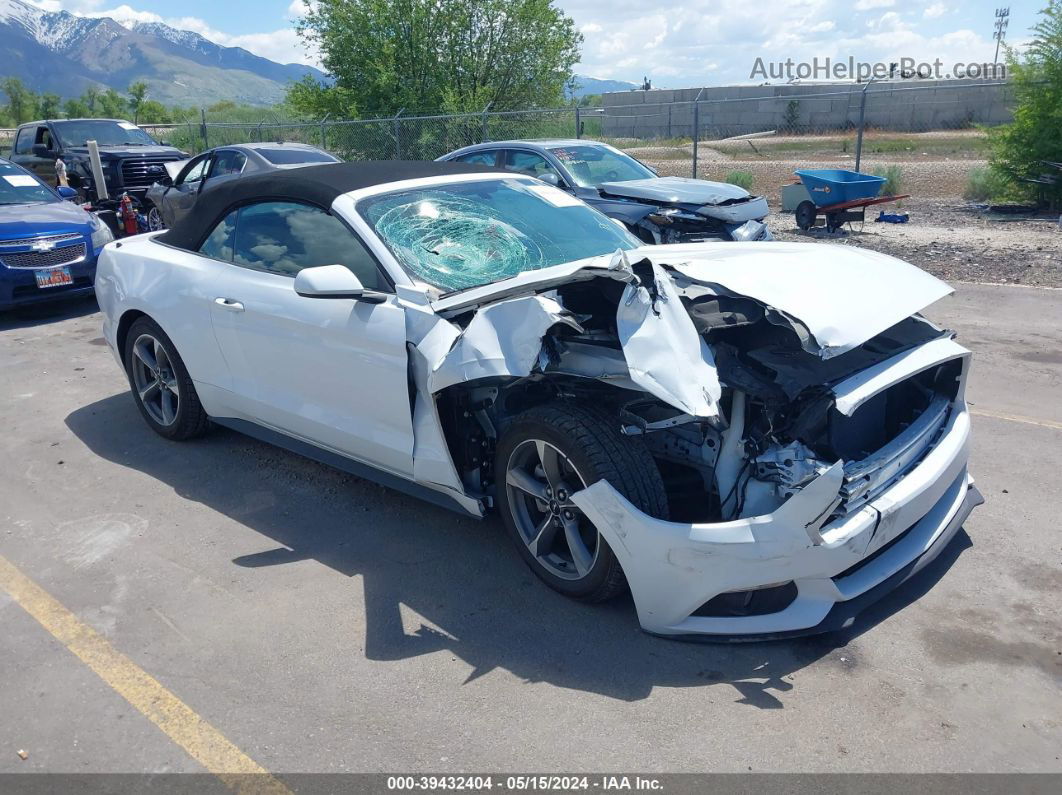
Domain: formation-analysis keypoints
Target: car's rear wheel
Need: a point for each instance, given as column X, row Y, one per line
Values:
column 546, row 455
column 160, row 383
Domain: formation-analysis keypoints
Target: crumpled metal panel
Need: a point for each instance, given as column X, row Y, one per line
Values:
column 665, row 354
column 502, row 339
column 843, row 295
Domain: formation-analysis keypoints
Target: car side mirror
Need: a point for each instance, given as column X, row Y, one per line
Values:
column 42, row 150
column 334, row 281
column 67, row 192
column 550, row 178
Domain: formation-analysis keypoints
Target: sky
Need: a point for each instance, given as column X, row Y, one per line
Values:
column 697, row 42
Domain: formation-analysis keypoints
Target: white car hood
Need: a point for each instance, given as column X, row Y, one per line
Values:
column 841, row 294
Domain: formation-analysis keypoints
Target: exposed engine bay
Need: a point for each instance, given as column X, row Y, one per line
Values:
column 756, row 424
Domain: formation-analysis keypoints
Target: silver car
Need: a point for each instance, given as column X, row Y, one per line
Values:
column 171, row 199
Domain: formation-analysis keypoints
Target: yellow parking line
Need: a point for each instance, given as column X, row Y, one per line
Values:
column 1017, row 418
column 180, row 722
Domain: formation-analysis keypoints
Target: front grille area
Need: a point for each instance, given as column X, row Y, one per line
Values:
column 29, row 241
column 143, row 172
column 44, row 259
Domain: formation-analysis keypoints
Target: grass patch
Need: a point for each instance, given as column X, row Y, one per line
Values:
column 743, row 179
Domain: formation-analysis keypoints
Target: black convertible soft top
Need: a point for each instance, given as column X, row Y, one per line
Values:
column 317, row 185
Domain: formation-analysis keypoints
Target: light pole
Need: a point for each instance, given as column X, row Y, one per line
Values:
column 1002, row 20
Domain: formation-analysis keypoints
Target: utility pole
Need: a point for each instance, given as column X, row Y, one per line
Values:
column 1002, row 20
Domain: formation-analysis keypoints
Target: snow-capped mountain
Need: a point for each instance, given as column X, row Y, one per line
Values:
column 65, row 54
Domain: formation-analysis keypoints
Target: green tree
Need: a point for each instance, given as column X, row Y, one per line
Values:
column 91, row 97
column 152, row 112
column 457, row 55
column 111, row 104
column 76, row 109
column 137, row 93
column 1036, row 132
column 21, row 102
column 48, row 107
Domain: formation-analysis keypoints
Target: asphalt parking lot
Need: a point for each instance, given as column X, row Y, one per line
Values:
column 321, row 623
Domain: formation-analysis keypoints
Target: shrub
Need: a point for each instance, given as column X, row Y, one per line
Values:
column 743, row 179
column 1035, row 135
column 893, row 179
column 985, row 184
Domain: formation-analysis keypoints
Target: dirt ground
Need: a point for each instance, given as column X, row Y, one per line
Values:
column 953, row 241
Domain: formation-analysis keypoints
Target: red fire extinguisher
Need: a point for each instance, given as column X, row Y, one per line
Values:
column 128, row 215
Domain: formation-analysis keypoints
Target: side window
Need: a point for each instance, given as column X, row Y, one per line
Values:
column 44, row 136
column 227, row 163
column 285, row 237
column 488, row 158
column 218, row 244
column 193, row 172
column 528, row 163
column 24, row 142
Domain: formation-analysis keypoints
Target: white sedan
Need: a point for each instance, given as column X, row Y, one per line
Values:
column 755, row 439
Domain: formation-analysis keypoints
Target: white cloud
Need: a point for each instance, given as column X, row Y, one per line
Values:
column 934, row 11
column 866, row 5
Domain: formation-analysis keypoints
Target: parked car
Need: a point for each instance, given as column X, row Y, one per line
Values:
column 756, row 438
column 171, row 199
column 48, row 246
column 130, row 158
column 656, row 209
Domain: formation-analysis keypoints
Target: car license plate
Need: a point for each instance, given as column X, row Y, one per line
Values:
column 54, row 277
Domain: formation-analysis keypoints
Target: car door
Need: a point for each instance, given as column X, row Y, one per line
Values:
column 226, row 165
column 22, row 151
column 32, row 142
column 329, row 371
column 180, row 198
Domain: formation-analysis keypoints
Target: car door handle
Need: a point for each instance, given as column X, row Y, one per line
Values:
column 229, row 303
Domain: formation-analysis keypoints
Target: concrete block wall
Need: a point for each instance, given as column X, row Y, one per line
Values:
column 736, row 110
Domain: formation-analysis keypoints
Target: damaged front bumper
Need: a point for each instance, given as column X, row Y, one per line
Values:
column 818, row 572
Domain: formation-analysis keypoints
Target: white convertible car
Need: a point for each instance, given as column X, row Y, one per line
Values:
column 756, row 439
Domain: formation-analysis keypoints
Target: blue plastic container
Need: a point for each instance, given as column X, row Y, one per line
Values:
column 835, row 185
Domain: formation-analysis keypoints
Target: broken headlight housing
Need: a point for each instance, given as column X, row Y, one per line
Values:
column 668, row 215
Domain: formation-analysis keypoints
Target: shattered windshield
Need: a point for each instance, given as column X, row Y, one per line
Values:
column 103, row 131
column 592, row 165
column 473, row 233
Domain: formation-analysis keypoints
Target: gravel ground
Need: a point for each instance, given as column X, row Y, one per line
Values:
column 952, row 241
column 946, row 236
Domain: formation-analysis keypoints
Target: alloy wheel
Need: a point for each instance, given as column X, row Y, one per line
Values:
column 154, row 379
column 539, row 482
column 154, row 220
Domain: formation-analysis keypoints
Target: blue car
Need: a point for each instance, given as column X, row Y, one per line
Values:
column 48, row 246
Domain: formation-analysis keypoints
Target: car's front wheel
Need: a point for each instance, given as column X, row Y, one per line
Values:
column 546, row 455
column 161, row 386
column 154, row 219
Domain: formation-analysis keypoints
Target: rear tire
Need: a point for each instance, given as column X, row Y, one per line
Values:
column 544, row 456
column 161, row 387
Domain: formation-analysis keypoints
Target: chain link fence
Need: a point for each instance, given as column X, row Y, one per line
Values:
column 754, row 135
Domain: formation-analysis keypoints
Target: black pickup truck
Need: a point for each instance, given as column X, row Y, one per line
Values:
column 132, row 161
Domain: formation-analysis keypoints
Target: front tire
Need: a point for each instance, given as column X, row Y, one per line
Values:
column 546, row 455
column 162, row 389
column 154, row 219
